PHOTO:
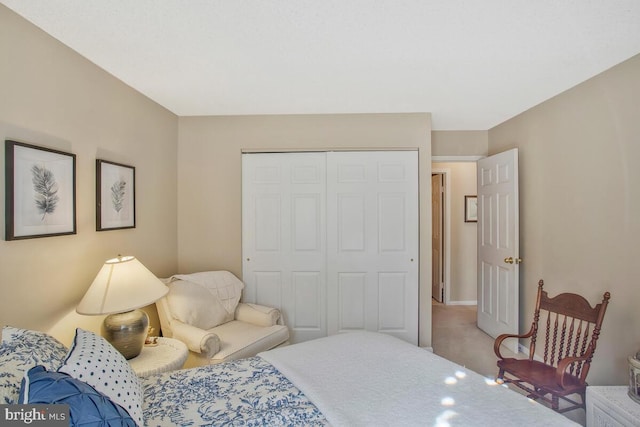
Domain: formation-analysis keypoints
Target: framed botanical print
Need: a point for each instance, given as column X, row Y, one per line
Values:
column 40, row 191
column 115, row 196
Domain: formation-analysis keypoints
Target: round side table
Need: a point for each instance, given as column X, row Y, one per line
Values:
column 168, row 355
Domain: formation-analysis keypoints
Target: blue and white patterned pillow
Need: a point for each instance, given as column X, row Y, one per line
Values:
column 87, row 406
column 94, row 361
column 20, row 350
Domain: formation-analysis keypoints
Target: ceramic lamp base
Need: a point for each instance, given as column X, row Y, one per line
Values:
column 126, row 331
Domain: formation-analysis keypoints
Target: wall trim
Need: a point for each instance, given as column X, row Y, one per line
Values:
column 322, row 150
column 523, row 349
column 456, row 158
column 463, row 303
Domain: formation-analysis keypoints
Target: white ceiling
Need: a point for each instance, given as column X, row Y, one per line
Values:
column 472, row 64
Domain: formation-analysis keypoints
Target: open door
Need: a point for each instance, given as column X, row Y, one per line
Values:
column 437, row 244
column 498, row 244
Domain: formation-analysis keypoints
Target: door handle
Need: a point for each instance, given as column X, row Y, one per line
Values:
column 511, row 260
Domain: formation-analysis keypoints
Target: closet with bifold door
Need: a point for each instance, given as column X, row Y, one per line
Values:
column 331, row 239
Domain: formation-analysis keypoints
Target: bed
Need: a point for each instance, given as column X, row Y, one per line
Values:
column 347, row 379
column 351, row 379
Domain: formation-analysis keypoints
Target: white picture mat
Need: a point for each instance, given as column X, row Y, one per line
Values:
column 28, row 220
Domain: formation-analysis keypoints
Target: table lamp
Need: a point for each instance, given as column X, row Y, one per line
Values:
column 122, row 286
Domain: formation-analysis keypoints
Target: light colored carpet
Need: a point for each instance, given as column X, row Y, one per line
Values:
column 456, row 337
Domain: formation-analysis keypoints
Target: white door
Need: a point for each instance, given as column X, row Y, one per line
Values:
column 283, row 238
column 437, row 252
column 372, row 229
column 332, row 240
column 498, row 244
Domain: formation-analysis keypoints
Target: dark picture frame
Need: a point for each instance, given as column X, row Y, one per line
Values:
column 470, row 208
column 115, row 196
column 40, row 191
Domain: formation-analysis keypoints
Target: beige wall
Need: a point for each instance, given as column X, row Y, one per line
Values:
column 52, row 97
column 209, row 177
column 463, row 235
column 459, row 143
column 580, row 204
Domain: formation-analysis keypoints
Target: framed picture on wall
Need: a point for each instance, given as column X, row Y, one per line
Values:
column 40, row 191
column 115, row 196
column 470, row 208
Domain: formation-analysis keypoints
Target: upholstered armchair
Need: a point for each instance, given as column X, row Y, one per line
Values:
column 204, row 311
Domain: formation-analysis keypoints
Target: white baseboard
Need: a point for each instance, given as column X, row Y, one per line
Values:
column 462, row 303
column 523, row 349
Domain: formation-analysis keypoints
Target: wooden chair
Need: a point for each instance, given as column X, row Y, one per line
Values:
column 568, row 333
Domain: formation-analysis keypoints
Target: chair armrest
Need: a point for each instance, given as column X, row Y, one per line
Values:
column 197, row 340
column 564, row 363
column 258, row 315
column 498, row 342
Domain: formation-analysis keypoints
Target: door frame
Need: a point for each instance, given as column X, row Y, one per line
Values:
column 447, row 213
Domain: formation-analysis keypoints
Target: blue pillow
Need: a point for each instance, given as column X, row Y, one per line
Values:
column 87, row 407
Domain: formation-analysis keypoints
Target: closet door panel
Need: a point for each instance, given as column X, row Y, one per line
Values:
column 392, row 223
column 350, row 222
column 374, row 235
column 267, row 223
column 306, row 222
column 352, row 289
column 392, row 302
column 268, row 288
column 283, row 196
column 308, row 291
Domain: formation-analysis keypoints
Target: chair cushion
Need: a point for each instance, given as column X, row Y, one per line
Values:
column 240, row 339
column 189, row 303
column 194, row 305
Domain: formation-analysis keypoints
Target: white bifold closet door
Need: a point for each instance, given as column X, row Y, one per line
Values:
column 284, row 238
column 332, row 240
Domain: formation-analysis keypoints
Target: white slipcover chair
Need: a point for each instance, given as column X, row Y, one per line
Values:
column 204, row 311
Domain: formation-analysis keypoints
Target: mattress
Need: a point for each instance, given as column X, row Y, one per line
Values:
column 352, row 379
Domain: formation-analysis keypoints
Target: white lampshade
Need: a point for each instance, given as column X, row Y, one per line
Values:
column 123, row 284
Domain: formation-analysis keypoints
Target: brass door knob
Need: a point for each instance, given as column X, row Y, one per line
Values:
column 509, row 260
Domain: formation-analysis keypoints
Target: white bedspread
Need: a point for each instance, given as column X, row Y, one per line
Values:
column 369, row 379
